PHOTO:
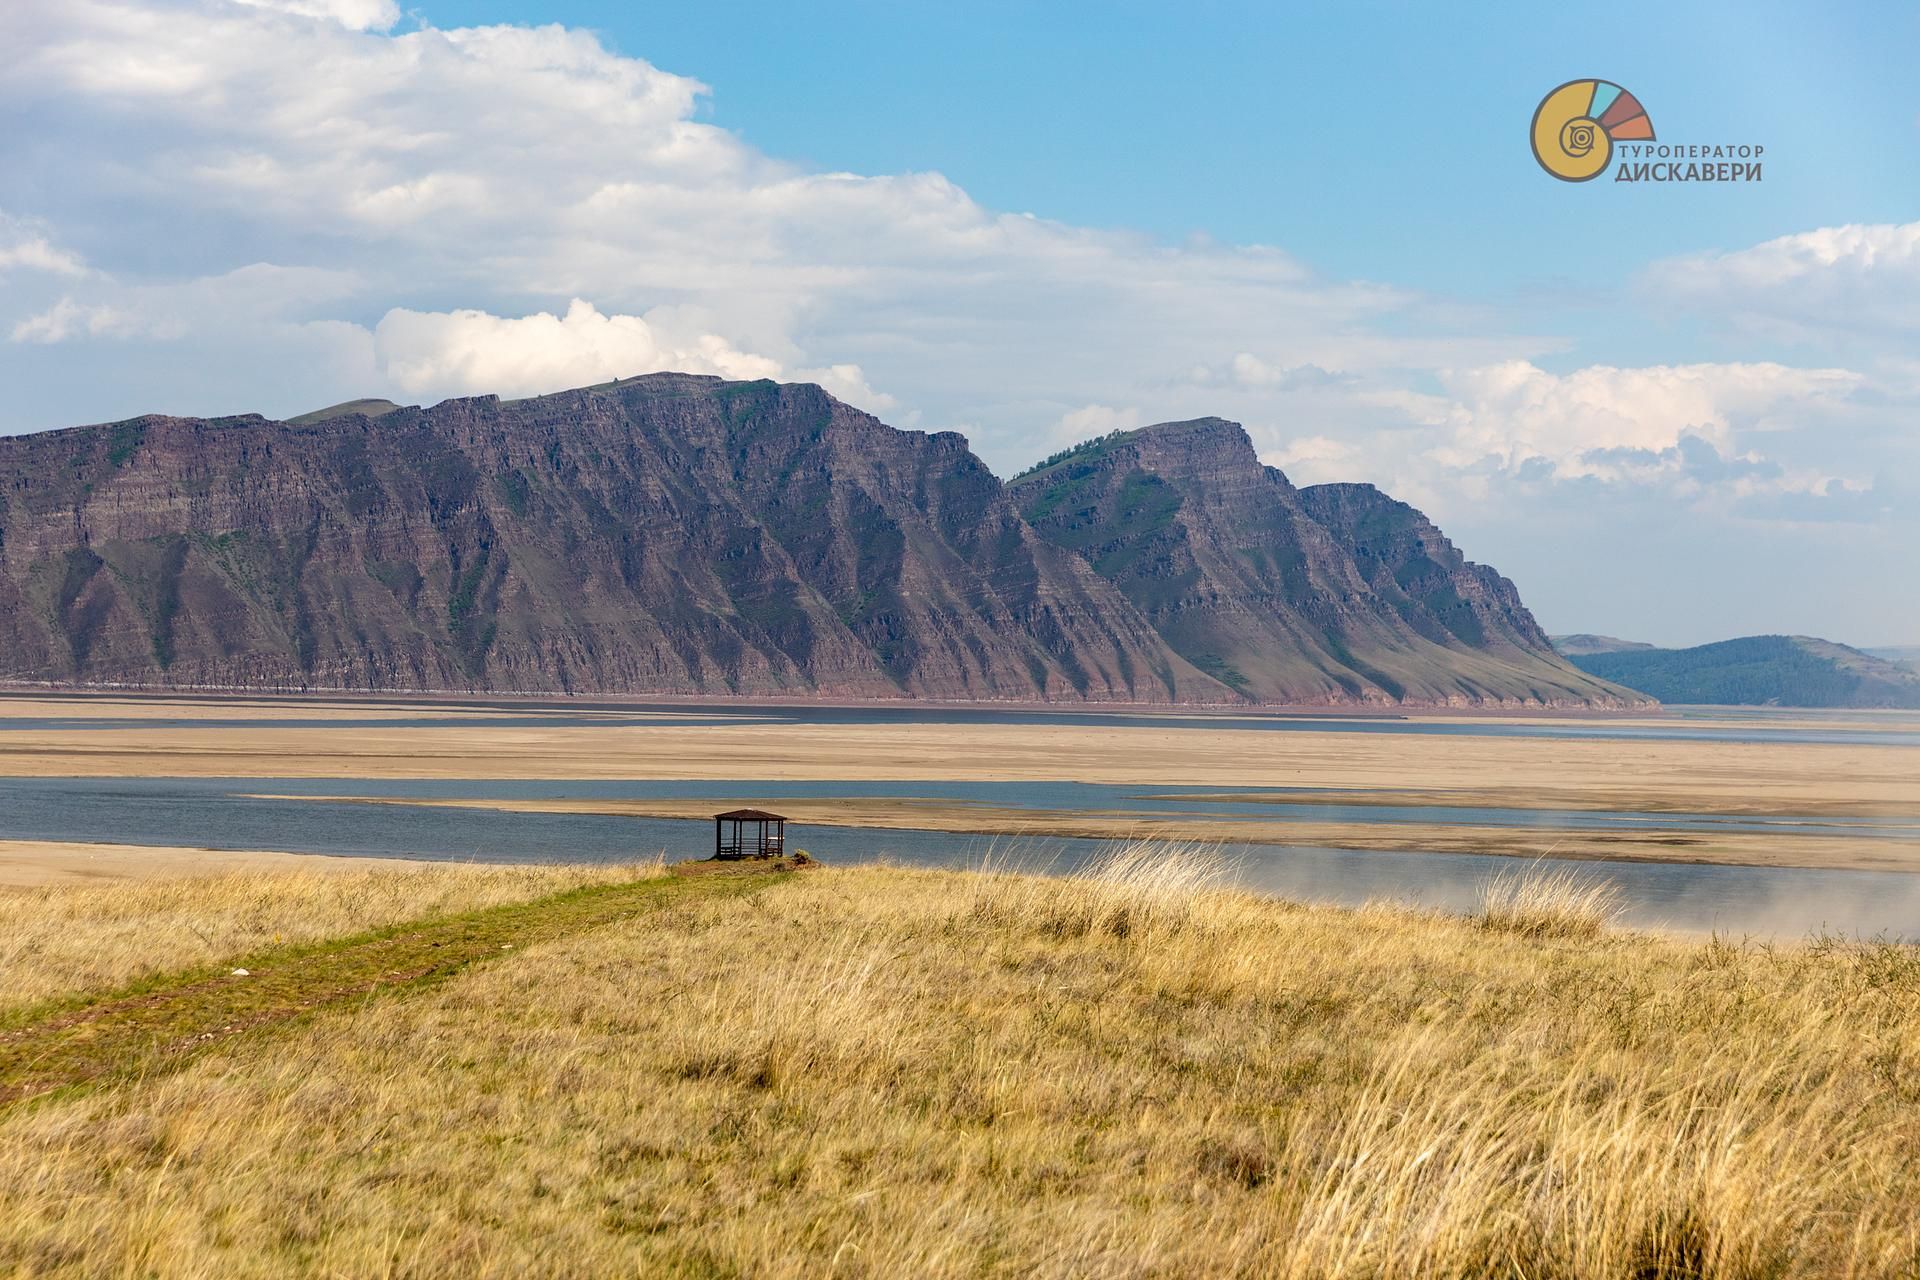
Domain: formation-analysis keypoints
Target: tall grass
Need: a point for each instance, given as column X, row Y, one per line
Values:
column 1133, row 886
column 1542, row 903
column 1125, row 1072
column 63, row 938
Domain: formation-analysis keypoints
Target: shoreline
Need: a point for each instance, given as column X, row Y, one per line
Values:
column 1805, row 850
column 549, row 699
column 34, row 864
column 251, row 741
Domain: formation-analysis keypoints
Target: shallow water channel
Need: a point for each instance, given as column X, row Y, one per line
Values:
column 220, row 813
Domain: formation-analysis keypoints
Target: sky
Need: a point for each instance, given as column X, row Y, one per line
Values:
column 1674, row 412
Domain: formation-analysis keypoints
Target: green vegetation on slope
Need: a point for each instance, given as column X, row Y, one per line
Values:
column 1585, row 643
column 366, row 408
column 1788, row 671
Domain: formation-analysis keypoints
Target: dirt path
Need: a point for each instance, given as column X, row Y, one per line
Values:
column 157, row 1025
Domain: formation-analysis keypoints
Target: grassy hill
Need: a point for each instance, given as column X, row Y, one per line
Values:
column 1907, row 655
column 1585, row 643
column 1788, row 671
column 888, row 1073
column 346, row 409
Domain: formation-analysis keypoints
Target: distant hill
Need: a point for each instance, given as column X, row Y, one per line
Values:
column 1585, row 643
column 346, row 409
column 1787, row 671
column 1907, row 655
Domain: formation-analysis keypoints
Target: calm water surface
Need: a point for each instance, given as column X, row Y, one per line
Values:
column 217, row 813
column 1686, row 724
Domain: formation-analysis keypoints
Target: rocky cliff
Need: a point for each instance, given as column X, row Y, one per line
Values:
column 1330, row 594
column 679, row 534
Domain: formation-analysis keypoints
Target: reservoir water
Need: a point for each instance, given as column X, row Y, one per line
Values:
column 1685, row 724
column 222, row 813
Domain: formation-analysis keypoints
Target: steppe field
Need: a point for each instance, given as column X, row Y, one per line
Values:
column 230, row 1063
column 878, row 1072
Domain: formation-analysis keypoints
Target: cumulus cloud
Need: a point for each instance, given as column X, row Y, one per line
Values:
column 470, row 352
column 510, row 170
column 69, row 319
column 1320, row 460
column 1850, row 279
column 37, row 255
column 847, row 382
column 355, row 15
column 276, row 204
column 212, row 306
column 25, row 247
column 1514, row 414
column 473, row 352
column 1089, row 421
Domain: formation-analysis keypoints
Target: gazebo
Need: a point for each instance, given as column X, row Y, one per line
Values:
column 730, row 841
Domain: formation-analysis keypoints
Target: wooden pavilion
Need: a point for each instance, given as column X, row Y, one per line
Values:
column 769, row 838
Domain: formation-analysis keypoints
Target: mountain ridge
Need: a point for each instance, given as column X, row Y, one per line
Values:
column 670, row 534
column 1335, row 593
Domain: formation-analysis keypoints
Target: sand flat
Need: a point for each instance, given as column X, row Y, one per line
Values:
column 30, row 863
column 1700, row 777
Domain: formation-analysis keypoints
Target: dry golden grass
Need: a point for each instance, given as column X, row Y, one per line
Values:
column 1543, row 902
column 63, row 938
column 1128, row 1073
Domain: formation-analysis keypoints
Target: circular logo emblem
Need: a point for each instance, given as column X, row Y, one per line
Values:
column 1575, row 127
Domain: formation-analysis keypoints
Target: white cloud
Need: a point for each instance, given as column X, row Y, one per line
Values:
column 473, row 352
column 1319, row 460
column 1089, row 421
column 1514, row 414
column 69, row 319
column 1849, row 280
column 277, row 206
column 846, row 382
column 355, row 15
column 24, row 246
column 470, row 352
column 509, row 170
column 1849, row 250
column 212, row 306
column 38, row 255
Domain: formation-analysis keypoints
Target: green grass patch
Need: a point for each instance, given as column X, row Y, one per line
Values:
column 159, row 1024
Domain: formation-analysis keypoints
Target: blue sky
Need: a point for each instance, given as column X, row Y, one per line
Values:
column 1375, row 139
column 1676, row 412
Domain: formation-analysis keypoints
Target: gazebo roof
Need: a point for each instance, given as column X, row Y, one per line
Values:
column 752, row 815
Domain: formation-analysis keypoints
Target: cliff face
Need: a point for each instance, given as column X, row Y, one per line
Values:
column 1412, row 566
column 678, row 534
column 669, row 534
column 1330, row 594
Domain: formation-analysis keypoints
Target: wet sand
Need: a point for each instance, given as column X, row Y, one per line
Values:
column 1696, row 777
column 1752, row 779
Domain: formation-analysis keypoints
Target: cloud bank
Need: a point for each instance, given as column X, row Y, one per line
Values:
column 276, row 204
